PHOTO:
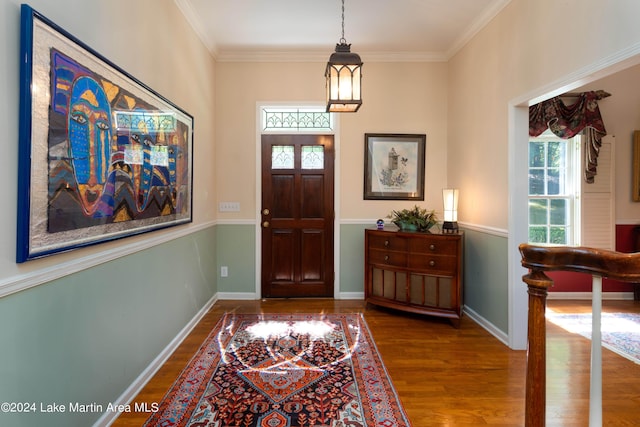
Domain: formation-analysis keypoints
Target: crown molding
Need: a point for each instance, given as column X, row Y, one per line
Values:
column 482, row 21
column 192, row 18
column 297, row 55
column 323, row 56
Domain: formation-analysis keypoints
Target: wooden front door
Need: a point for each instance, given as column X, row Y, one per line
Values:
column 297, row 215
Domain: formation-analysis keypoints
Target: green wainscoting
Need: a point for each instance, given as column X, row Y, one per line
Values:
column 86, row 337
column 352, row 258
column 486, row 278
column 236, row 249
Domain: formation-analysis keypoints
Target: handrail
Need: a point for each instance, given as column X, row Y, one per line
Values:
column 597, row 262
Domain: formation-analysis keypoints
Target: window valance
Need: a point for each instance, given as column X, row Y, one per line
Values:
column 567, row 121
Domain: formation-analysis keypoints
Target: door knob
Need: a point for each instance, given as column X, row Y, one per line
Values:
column 265, row 224
column 265, row 212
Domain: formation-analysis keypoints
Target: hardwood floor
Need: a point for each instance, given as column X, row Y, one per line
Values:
column 453, row 377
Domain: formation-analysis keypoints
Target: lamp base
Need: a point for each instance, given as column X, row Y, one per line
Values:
column 450, row 227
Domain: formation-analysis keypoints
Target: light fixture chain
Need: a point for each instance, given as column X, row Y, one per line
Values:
column 343, row 40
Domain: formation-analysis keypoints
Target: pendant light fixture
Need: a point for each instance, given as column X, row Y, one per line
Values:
column 344, row 75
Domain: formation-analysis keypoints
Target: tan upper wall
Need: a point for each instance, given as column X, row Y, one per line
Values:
column 518, row 54
column 151, row 41
column 397, row 98
column 521, row 53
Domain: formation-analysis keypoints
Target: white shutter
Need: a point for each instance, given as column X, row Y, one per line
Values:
column 598, row 201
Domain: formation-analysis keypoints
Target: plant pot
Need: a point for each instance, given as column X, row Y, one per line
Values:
column 405, row 226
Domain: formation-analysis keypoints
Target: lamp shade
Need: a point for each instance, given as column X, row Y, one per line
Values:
column 450, row 202
column 343, row 75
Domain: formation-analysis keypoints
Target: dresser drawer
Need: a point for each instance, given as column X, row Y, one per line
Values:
column 433, row 246
column 396, row 259
column 433, row 263
column 387, row 241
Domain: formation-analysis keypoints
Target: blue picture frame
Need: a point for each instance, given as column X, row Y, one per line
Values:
column 101, row 155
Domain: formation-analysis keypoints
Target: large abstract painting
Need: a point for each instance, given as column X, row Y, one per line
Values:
column 101, row 156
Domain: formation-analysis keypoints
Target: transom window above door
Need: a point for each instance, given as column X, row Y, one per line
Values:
column 312, row 119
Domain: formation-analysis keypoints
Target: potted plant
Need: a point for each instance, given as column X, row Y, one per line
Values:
column 414, row 219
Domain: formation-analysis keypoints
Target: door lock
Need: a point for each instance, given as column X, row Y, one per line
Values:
column 265, row 212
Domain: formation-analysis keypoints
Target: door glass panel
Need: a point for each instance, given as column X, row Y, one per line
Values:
column 312, row 157
column 282, row 157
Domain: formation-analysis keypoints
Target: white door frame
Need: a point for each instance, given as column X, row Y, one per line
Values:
column 518, row 184
column 336, row 188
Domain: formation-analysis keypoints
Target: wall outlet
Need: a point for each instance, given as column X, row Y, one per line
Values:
column 224, row 271
column 229, row 207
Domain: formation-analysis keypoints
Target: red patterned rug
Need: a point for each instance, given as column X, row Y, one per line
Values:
column 284, row 370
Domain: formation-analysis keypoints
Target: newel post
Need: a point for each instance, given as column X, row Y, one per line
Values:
column 538, row 283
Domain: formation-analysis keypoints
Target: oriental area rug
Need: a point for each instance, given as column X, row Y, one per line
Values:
column 284, row 370
column 620, row 331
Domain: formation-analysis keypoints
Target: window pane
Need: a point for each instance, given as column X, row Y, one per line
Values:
column 538, row 211
column 553, row 182
column 536, row 182
column 558, row 235
column 536, row 154
column 551, row 190
column 557, row 156
column 282, row 157
column 312, row 157
column 538, row 234
column 559, row 213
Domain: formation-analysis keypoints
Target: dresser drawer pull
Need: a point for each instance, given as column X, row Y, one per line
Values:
column 432, row 247
column 386, row 257
column 386, row 243
column 432, row 263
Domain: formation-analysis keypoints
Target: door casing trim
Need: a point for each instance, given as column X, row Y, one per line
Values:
column 336, row 189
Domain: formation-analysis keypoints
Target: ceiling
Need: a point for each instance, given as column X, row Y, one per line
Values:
column 308, row 30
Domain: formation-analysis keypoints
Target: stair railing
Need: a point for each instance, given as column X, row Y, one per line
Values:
column 597, row 262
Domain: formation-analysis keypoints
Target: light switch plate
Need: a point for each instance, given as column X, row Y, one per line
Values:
column 229, row 207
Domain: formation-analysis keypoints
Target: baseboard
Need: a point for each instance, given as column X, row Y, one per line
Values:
column 350, row 295
column 253, row 296
column 587, row 295
column 237, row 295
column 488, row 326
column 130, row 393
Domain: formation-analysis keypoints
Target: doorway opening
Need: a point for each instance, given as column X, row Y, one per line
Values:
column 297, row 232
column 518, row 175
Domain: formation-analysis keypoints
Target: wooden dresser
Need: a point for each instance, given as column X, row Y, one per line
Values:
column 416, row 272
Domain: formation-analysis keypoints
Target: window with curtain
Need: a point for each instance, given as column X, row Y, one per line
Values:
column 554, row 188
column 581, row 117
